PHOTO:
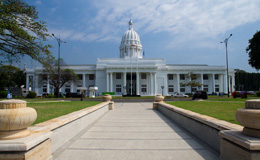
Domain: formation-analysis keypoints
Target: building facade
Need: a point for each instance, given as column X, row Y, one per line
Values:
column 131, row 74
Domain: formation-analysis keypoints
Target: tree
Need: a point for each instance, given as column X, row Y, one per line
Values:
column 192, row 83
column 20, row 32
column 11, row 76
column 66, row 75
column 253, row 51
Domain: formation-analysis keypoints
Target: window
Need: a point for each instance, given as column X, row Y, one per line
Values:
column 80, row 76
column 216, row 76
column 118, row 75
column 91, row 77
column 118, row 88
column 205, row 77
column 193, row 77
column 143, row 88
column 182, row 76
column 170, row 76
column 143, row 75
column 44, row 88
column 206, row 88
column 193, row 89
column 67, row 88
column 216, row 88
column 182, row 90
column 170, row 88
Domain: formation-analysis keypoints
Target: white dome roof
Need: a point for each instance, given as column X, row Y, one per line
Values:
column 131, row 45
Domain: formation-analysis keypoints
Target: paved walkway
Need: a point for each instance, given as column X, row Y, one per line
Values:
column 134, row 131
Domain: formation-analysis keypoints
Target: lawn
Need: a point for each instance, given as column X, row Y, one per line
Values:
column 50, row 110
column 220, row 110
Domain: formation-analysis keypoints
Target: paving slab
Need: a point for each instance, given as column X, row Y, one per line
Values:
column 134, row 131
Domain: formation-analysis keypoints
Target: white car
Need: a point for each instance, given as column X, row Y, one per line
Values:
column 179, row 95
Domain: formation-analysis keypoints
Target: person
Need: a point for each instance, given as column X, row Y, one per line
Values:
column 8, row 95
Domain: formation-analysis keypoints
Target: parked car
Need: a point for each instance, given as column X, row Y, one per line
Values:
column 242, row 94
column 176, row 94
column 200, row 94
column 73, row 95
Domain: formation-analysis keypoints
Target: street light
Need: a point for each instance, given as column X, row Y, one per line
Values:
column 59, row 42
column 226, row 41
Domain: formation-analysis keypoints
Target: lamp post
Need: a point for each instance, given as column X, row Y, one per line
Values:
column 162, row 89
column 226, row 41
column 59, row 42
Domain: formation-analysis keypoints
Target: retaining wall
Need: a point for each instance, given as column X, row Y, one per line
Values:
column 203, row 127
column 66, row 127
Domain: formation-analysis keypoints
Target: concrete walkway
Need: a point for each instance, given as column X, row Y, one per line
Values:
column 134, row 131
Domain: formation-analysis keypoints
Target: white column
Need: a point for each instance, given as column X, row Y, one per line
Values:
column 137, row 83
column 124, row 87
column 48, row 84
column 155, row 84
column 225, row 83
column 213, row 82
column 233, row 83
column 71, row 87
column 111, row 82
column 178, row 83
column 201, row 80
column 27, row 82
column 107, row 82
column 36, row 84
column 151, row 81
column 165, row 91
column 83, row 80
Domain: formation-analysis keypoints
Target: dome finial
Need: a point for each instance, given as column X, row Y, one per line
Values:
column 130, row 24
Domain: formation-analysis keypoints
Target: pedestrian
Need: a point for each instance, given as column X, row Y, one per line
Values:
column 8, row 95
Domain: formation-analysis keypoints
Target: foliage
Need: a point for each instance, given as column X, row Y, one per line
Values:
column 258, row 94
column 253, row 51
column 31, row 94
column 3, row 94
column 221, row 110
column 65, row 75
column 11, row 76
column 247, row 81
column 20, row 32
column 47, row 111
column 50, row 96
column 192, row 83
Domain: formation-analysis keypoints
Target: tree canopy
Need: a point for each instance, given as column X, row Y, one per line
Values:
column 11, row 76
column 66, row 75
column 192, row 82
column 20, row 32
column 253, row 51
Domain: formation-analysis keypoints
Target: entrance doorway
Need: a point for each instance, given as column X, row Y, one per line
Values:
column 131, row 84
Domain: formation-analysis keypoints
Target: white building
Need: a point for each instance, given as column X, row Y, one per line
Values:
column 147, row 76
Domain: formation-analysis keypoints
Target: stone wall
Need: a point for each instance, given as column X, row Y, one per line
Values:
column 203, row 127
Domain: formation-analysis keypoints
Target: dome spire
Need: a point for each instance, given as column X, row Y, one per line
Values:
column 130, row 24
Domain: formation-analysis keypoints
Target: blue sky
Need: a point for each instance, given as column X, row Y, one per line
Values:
column 181, row 31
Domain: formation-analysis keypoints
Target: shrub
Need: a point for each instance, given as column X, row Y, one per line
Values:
column 258, row 94
column 50, row 96
column 3, row 94
column 31, row 94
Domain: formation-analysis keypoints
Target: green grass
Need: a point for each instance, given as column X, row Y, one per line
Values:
column 50, row 110
column 220, row 110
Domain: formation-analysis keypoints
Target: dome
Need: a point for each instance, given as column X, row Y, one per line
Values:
column 130, row 44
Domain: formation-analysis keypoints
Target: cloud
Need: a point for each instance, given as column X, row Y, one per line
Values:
column 38, row 2
column 194, row 20
column 190, row 18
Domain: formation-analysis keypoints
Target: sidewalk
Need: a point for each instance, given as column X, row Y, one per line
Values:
column 134, row 131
